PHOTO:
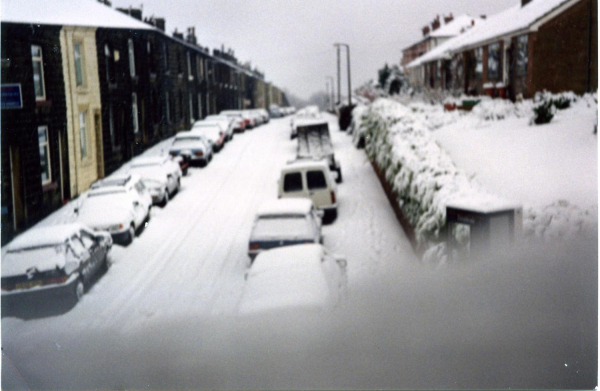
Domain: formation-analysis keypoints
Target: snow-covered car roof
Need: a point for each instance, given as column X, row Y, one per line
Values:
column 150, row 161
column 305, row 164
column 188, row 135
column 285, row 206
column 45, row 236
column 302, row 122
column 116, row 181
column 286, row 277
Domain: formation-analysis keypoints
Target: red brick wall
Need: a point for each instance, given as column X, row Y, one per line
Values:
column 560, row 53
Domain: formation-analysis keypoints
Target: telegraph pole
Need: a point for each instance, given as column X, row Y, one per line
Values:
column 348, row 63
column 339, row 94
column 332, row 92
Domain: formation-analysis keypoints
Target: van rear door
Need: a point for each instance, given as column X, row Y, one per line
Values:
column 293, row 185
column 318, row 189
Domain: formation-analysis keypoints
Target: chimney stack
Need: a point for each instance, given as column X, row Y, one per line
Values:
column 483, row 16
column 525, row 2
column 449, row 18
column 177, row 34
column 191, row 36
column 425, row 31
column 160, row 24
column 435, row 24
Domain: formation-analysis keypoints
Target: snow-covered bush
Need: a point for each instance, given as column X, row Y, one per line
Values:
column 560, row 219
column 543, row 113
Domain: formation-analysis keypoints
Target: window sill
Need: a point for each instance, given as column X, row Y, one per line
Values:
column 49, row 186
column 43, row 103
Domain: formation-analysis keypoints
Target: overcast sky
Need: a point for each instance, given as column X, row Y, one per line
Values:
column 292, row 40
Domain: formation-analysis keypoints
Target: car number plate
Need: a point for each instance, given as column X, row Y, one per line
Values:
column 28, row 284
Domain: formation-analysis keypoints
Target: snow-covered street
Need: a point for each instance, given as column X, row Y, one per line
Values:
column 191, row 259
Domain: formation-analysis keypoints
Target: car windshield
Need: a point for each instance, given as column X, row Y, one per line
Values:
column 285, row 227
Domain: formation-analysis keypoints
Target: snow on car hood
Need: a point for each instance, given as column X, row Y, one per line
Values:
column 43, row 259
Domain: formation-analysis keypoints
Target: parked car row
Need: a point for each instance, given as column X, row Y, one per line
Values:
column 290, row 268
column 62, row 259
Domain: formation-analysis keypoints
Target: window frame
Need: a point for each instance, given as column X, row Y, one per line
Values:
column 521, row 64
column 46, row 146
column 134, row 113
column 83, row 139
column 497, row 58
column 131, row 56
column 478, row 55
column 39, row 59
column 78, row 59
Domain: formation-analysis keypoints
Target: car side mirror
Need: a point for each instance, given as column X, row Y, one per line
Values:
column 136, row 203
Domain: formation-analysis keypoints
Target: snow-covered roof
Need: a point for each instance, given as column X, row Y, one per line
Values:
column 68, row 13
column 301, row 122
column 285, row 206
column 455, row 26
column 512, row 20
column 44, row 236
column 483, row 205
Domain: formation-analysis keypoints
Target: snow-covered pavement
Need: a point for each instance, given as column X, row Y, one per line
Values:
column 190, row 261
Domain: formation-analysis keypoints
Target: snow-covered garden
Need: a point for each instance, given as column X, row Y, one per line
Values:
column 494, row 154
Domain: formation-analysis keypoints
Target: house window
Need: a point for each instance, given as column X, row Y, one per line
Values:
column 165, row 50
column 38, row 72
column 438, row 71
column 44, row 154
column 181, row 115
column 134, row 113
column 493, row 71
column 189, row 66
column 521, row 55
column 151, row 63
column 83, row 133
column 199, row 105
column 78, row 64
column 478, row 62
column 131, row 50
column 199, row 67
column 109, row 64
column 168, row 106
column 191, row 104
column 111, row 128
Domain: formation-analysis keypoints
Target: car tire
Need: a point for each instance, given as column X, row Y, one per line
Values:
column 130, row 234
column 78, row 291
column 178, row 185
column 165, row 200
column 339, row 177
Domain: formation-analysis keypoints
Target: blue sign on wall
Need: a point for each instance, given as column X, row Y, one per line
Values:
column 11, row 96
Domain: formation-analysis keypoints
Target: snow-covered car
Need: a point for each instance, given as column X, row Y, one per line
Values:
column 119, row 205
column 248, row 123
column 213, row 133
column 299, row 277
column 312, row 180
column 256, row 117
column 239, row 125
column 161, row 176
column 226, row 124
column 284, row 223
column 194, row 145
column 274, row 111
column 57, row 260
column 264, row 113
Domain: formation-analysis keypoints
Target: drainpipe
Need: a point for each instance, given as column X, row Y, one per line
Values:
column 73, row 114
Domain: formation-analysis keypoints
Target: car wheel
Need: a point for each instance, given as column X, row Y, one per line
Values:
column 105, row 264
column 130, row 234
column 166, row 199
column 148, row 215
column 339, row 177
column 78, row 291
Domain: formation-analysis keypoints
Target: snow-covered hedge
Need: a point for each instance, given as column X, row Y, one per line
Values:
column 420, row 172
column 399, row 139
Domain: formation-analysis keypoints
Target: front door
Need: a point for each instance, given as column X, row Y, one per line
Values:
column 17, row 188
column 99, row 147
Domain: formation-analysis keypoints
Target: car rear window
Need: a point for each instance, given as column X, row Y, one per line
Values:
column 316, row 180
column 292, row 182
column 282, row 228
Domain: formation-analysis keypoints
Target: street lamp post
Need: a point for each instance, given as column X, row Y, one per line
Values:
column 332, row 92
column 348, row 63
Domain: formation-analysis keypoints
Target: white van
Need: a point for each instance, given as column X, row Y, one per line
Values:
column 312, row 180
